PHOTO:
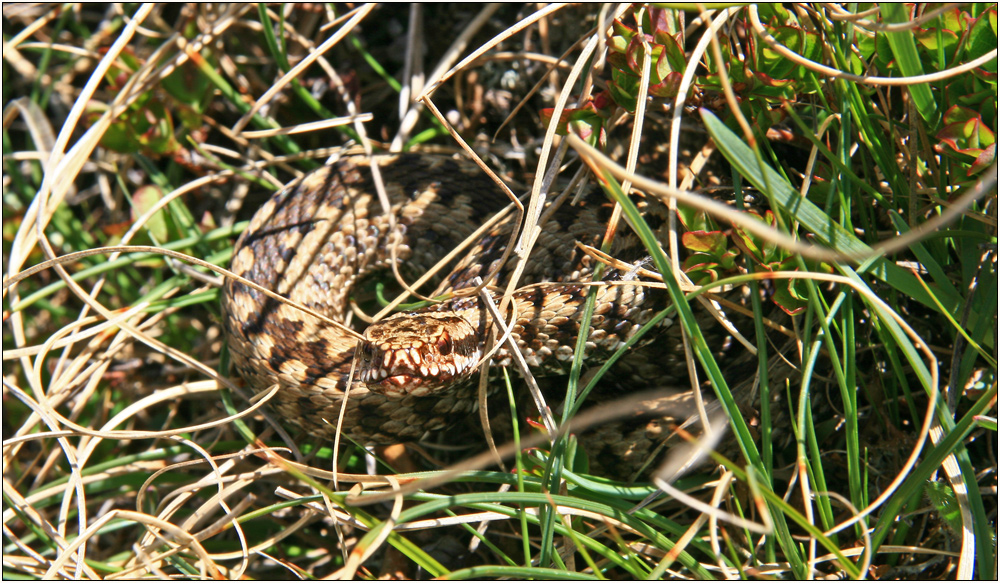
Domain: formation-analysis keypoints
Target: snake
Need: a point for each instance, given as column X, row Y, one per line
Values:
column 323, row 239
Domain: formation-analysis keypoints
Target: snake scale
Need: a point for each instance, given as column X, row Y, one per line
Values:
column 320, row 238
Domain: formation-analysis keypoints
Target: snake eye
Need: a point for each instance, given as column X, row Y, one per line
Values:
column 444, row 345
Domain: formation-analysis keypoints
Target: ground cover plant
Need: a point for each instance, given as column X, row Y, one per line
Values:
column 138, row 140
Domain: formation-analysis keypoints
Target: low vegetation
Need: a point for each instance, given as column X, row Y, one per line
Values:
column 137, row 140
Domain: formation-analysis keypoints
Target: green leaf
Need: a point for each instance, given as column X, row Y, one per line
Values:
column 668, row 87
column 188, row 85
column 694, row 219
column 774, row 13
column 624, row 88
column 983, row 161
column 883, row 54
column 623, row 34
column 966, row 134
column 951, row 20
column 584, row 119
column 805, row 43
column 788, row 300
column 983, row 38
column 144, row 199
column 118, row 137
column 711, row 242
column 934, row 40
column 674, row 53
column 153, row 127
column 865, row 45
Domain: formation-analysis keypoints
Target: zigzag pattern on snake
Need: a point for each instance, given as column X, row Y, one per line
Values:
column 317, row 240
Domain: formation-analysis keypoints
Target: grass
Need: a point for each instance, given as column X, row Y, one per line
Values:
column 138, row 140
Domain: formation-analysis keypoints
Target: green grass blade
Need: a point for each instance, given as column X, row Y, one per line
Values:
column 904, row 48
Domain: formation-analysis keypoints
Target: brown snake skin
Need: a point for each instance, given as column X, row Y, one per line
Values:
column 318, row 239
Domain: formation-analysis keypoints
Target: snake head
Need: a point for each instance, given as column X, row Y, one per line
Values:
column 418, row 353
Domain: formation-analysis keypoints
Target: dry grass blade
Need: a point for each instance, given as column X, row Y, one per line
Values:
column 308, row 127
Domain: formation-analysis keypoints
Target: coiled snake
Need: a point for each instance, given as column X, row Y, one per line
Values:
column 317, row 240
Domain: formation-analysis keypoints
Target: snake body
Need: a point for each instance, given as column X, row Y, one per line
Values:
column 316, row 242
